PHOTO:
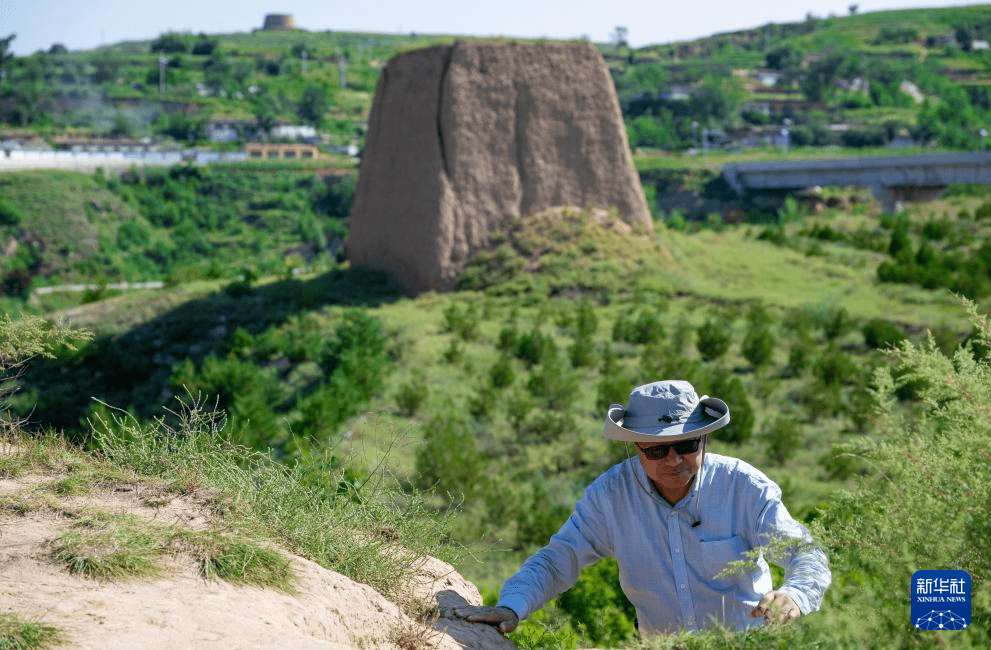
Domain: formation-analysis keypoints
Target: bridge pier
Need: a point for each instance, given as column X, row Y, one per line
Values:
column 893, row 197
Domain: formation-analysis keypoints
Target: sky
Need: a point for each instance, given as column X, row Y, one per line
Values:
column 84, row 24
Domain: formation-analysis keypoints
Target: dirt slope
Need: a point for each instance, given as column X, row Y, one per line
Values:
column 183, row 610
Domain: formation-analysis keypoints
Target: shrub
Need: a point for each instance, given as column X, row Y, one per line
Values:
column 357, row 354
column 713, row 339
column 620, row 328
column 741, row 424
column 246, row 392
column 508, row 339
column 922, row 462
column 462, row 322
column 837, row 323
column 17, row 283
column 502, row 373
column 758, row 346
column 586, row 320
column 935, row 230
column 411, row 394
column 10, row 214
column 879, row 333
column 169, row 43
column 204, row 46
column 538, row 518
column 835, row 367
column 449, row 462
column 774, row 234
column 544, row 425
column 132, row 235
column 482, row 403
column 454, row 352
column 582, row 352
column 598, row 607
column 613, row 386
column 781, row 439
column 534, row 346
column 647, row 328
column 553, row 383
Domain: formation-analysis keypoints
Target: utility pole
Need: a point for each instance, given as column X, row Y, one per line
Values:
column 784, row 134
column 705, row 147
column 161, row 73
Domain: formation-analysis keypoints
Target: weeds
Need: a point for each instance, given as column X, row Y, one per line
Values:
column 17, row 633
column 105, row 546
column 269, row 500
column 239, row 562
column 415, row 630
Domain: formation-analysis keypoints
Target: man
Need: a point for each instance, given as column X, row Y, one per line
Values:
column 674, row 517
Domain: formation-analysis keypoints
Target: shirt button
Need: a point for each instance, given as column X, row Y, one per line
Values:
column 682, row 586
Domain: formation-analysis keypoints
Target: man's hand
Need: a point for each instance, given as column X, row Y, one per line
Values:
column 503, row 618
column 776, row 606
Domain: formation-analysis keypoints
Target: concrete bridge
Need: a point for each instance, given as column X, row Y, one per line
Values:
column 892, row 179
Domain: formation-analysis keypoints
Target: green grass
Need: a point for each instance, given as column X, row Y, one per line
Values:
column 19, row 633
column 259, row 502
column 103, row 546
column 239, row 562
column 733, row 265
column 268, row 500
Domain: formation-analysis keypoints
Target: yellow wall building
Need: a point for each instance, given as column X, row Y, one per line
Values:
column 266, row 151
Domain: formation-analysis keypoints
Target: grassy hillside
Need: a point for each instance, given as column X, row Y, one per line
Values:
column 838, row 80
column 489, row 400
column 176, row 225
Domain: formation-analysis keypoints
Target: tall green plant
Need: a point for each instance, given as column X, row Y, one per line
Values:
column 925, row 503
column 449, row 461
column 713, row 339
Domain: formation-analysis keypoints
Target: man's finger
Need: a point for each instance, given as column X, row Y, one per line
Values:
column 497, row 615
column 776, row 606
column 475, row 614
column 766, row 600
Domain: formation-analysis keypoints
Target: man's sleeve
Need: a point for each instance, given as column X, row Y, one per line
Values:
column 790, row 546
column 581, row 541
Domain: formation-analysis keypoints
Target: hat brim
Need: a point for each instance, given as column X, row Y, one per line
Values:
column 712, row 414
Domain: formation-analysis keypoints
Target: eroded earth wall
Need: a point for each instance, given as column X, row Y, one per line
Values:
column 464, row 138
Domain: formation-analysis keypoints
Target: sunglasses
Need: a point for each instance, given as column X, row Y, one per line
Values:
column 682, row 447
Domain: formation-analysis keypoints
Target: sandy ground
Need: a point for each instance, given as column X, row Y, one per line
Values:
column 182, row 610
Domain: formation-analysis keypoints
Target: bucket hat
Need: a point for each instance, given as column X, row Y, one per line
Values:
column 665, row 411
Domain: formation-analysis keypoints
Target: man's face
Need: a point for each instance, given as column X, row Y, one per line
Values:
column 666, row 468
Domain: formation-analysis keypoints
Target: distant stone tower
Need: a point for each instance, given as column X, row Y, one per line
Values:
column 462, row 139
column 279, row 22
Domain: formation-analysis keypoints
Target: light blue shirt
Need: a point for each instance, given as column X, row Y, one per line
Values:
column 667, row 561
